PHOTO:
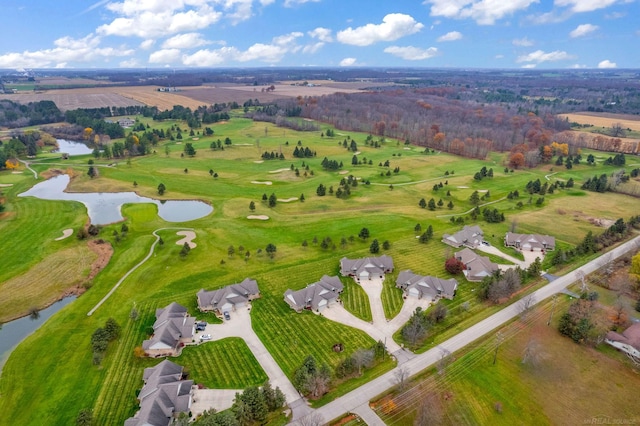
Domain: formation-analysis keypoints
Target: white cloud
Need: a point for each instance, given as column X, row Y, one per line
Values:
column 540, row 56
column 583, row 30
column 209, row 58
column 165, row 56
column 322, row 34
column 499, row 56
column 523, row 42
column 607, row 64
column 393, row 27
column 411, row 53
column 184, row 41
column 291, row 3
column 450, row 36
column 578, row 66
column 312, row 48
column 147, row 44
column 586, row 5
column 484, row 12
column 348, row 62
column 130, row 63
column 528, row 66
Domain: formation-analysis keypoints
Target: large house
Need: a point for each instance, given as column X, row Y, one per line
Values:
column 172, row 329
column 530, row 242
column 316, row 296
column 366, row 268
column 228, row 298
column 628, row 341
column 476, row 267
column 165, row 394
column 469, row 236
column 426, row 287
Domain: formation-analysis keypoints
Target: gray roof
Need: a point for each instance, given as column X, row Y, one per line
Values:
column 372, row 265
column 631, row 336
column 172, row 324
column 530, row 241
column 477, row 267
column 432, row 287
column 314, row 295
column 470, row 236
column 234, row 293
column 163, row 395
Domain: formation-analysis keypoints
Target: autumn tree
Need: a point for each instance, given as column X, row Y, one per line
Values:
column 516, row 160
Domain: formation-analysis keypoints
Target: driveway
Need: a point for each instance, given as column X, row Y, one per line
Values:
column 529, row 256
column 206, row 399
column 373, row 288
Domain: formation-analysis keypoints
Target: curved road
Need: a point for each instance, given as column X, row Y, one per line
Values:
column 362, row 395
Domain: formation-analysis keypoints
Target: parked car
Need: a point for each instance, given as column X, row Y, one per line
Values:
column 486, row 243
column 201, row 325
column 205, row 337
column 227, row 316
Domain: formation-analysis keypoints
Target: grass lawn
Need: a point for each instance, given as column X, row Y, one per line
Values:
column 53, row 388
column 355, row 300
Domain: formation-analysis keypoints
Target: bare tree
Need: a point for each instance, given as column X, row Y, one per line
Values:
column 617, row 131
column 429, row 412
column 525, row 305
column 401, row 375
column 498, row 341
column 446, row 358
column 532, row 353
column 362, row 358
column 580, row 276
column 312, row 419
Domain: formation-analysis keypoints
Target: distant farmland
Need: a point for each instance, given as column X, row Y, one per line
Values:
column 604, row 119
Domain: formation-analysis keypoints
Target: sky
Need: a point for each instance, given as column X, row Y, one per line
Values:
column 541, row 34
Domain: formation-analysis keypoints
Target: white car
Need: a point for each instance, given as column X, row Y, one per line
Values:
column 205, row 337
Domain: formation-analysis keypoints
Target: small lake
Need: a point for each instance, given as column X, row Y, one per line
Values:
column 14, row 332
column 73, row 148
column 105, row 207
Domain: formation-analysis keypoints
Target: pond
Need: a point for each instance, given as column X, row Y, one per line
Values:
column 105, row 207
column 73, row 148
column 14, row 332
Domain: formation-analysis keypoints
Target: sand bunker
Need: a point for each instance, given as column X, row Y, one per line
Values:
column 195, row 139
column 483, row 190
column 242, row 144
column 344, row 172
column 258, row 217
column 5, row 185
column 259, row 182
column 259, row 161
column 178, row 143
column 406, row 148
column 279, row 170
column 65, row 234
column 288, row 200
column 463, row 187
column 16, row 173
column 357, row 153
column 189, row 236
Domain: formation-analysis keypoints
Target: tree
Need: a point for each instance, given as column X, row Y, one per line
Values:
column 474, row 198
column 417, row 228
column 525, row 305
column 454, row 266
column 532, row 353
column 231, row 251
column 112, row 329
column 185, row 250
column 189, row 149
column 422, row 203
column 272, row 200
column 375, row 247
column 364, row 233
column 252, row 206
column 431, row 204
column 313, row 419
column 271, row 250
column 401, row 375
column 386, row 245
column 92, row 172
column 161, row 189
column 416, row 328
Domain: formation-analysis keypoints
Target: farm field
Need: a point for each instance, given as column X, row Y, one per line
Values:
column 603, row 119
column 390, row 213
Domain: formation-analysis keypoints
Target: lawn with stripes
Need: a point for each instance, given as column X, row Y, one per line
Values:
column 392, row 300
column 355, row 300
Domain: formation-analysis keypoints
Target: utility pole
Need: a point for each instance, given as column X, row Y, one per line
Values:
column 553, row 307
column 499, row 340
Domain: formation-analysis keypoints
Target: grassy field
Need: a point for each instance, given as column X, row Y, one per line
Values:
column 53, row 388
column 604, row 120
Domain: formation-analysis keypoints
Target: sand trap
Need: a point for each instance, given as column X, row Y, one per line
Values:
column 344, row 172
column 406, row 149
column 195, row 139
column 5, row 185
column 288, row 200
column 357, row 153
column 258, row 217
column 259, row 161
column 279, row 170
column 258, row 182
column 65, row 234
column 189, row 236
column 463, row 187
column 483, row 190
column 242, row 144
column 178, row 143
column 16, row 173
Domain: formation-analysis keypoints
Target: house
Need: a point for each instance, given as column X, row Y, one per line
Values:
column 126, row 122
column 469, row 236
column 172, row 329
column 476, row 267
column 316, row 296
column 366, row 268
column 165, row 394
column 228, row 298
column 628, row 341
column 530, row 242
column 426, row 287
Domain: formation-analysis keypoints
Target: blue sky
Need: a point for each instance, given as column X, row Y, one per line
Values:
column 322, row 33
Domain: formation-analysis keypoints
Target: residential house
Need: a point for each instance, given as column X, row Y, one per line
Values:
column 366, row 268
column 172, row 329
column 165, row 394
column 228, row 298
column 126, row 122
column 469, row 236
column 530, row 242
column 316, row 296
column 426, row 287
column 628, row 341
column 476, row 267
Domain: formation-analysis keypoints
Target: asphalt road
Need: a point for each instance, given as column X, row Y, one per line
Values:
column 362, row 395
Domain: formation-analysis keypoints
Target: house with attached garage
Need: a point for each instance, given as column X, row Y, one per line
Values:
column 316, row 296
column 171, row 331
column 426, row 287
column 628, row 342
column 229, row 298
column 476, row 267
column 469, row 236
column 366, row 268
column 530, row 242
column 164, row 395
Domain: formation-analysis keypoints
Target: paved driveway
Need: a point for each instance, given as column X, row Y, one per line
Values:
column 206, row 399
column 529, row 256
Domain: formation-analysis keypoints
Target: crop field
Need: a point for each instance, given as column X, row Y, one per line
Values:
column 603, row 119
column 54, row 388
column 77, row 98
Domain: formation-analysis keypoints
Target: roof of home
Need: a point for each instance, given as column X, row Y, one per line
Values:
column 316, row 294
column 471, row 236
column 375, row 265
column 172, row 324
column 163, row 394
column 534, row 241
column 631, row 336
column 477, row 267
column 234, row 293
column 426, row 285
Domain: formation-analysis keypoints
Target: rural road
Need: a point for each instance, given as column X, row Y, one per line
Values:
column 362, row 395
